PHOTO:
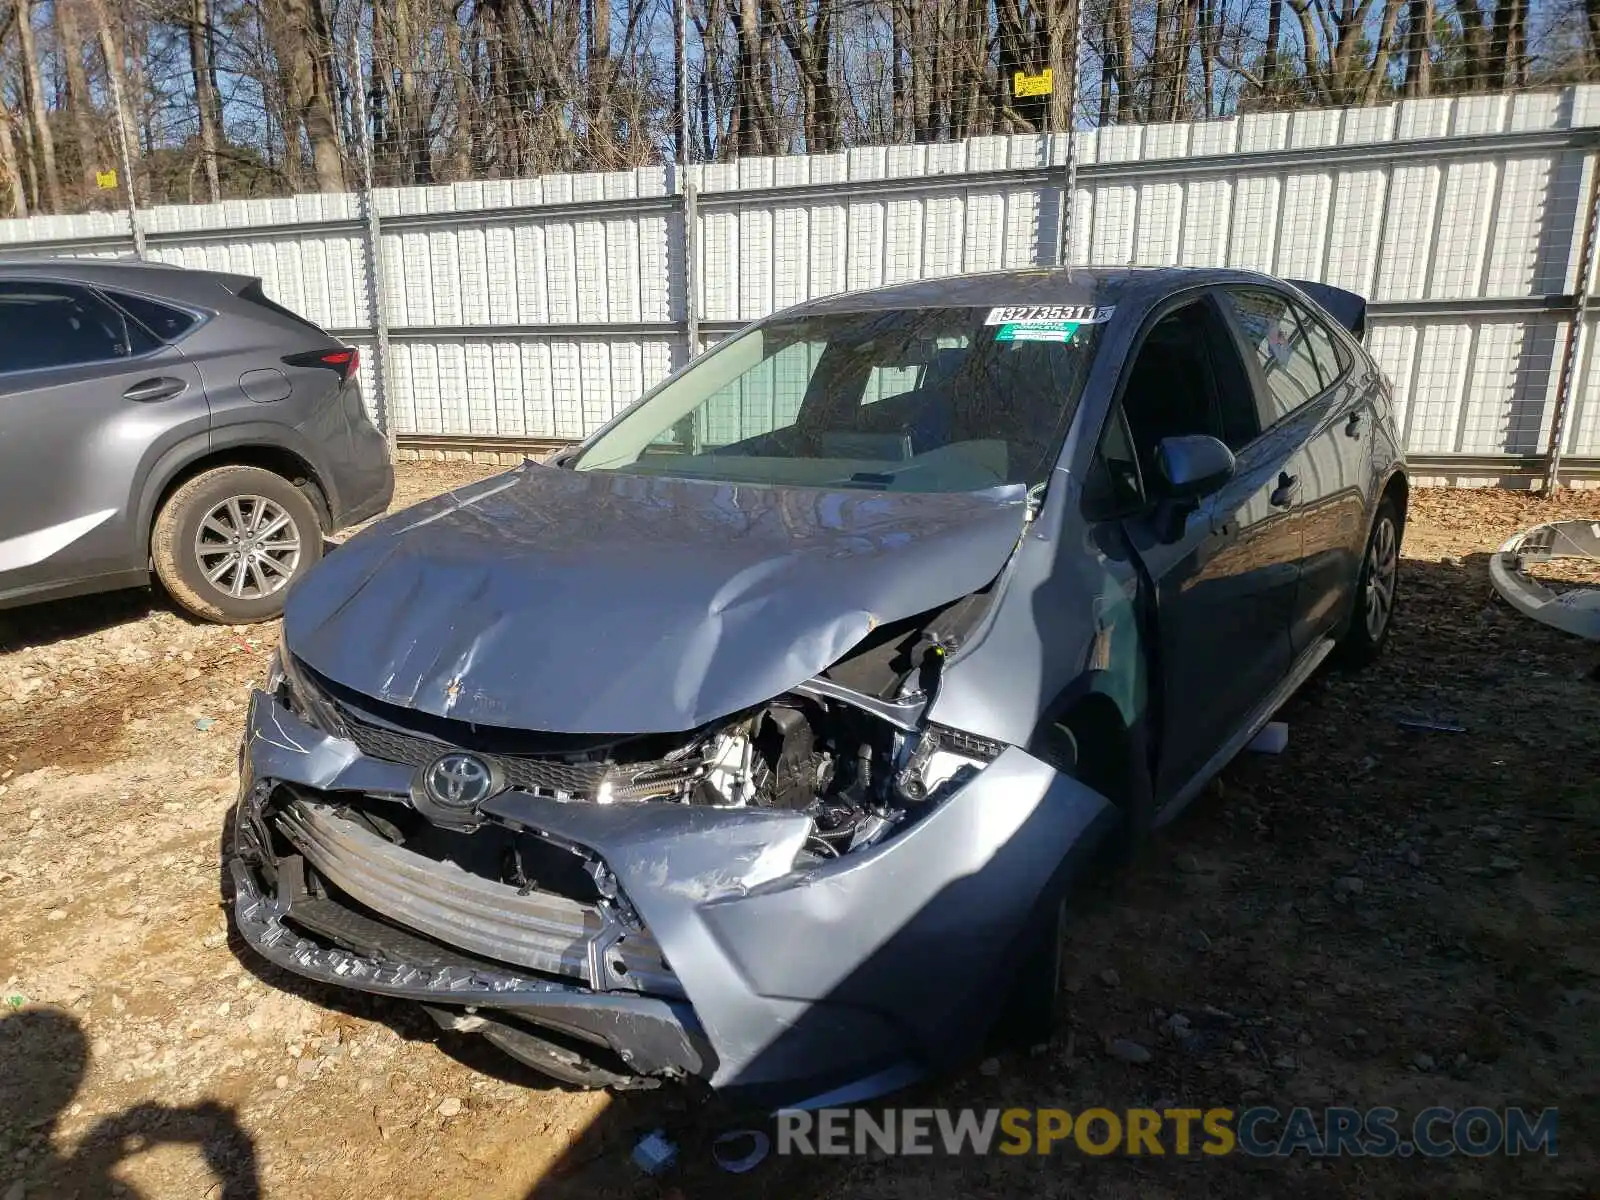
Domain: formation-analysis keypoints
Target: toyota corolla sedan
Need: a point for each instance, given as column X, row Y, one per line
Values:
column 758, row 739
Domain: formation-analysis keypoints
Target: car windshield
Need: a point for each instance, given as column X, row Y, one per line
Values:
column 920, row 400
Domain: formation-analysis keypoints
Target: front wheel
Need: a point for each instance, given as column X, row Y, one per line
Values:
column 229, row 542
column 1377, row 588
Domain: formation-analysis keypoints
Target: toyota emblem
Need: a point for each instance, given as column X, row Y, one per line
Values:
column 458, row 781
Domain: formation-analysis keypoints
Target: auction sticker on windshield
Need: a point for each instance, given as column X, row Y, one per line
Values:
column 1037, row 331
column 1082, row 314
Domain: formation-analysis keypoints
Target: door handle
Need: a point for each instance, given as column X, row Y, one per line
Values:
column 162, row 387
column 1287, row 491
column 1352, row 424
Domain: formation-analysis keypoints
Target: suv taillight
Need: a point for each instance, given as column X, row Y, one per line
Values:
column 345, row 359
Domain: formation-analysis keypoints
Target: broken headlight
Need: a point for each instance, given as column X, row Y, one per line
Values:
column 942, row 755
column 288, row 684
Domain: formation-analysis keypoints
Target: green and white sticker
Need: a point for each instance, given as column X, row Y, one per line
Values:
column 1037, row 331
column 1030, row 314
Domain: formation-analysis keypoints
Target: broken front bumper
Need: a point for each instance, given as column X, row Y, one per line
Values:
column 716, row 959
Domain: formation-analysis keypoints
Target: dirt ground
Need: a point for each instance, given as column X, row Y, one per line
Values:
column 1379, row 915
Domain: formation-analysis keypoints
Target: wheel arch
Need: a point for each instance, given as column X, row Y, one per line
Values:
column 1109, row 750
column 183, row 464
column 1398, row 489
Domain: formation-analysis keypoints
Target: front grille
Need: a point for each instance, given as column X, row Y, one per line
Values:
column 526, row 927
column 546, row 775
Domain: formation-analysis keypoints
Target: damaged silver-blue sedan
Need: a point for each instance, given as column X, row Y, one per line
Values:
column 758, row 739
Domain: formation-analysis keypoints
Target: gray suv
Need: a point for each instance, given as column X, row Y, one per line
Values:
column 154, row 419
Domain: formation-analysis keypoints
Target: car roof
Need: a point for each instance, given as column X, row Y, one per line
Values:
column 1031, row 285
column 158, row 278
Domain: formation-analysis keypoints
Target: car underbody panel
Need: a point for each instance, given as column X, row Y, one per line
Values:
column 764, row 921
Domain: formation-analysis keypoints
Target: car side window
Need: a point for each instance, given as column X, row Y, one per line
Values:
column 1331, row 360
column 1283, row 356
column 167, row 323
column 45, row 324
column 1186, row 377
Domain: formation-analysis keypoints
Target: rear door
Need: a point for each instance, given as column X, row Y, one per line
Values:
column 88, row 397
column 1306, row 397
column 1224, row 575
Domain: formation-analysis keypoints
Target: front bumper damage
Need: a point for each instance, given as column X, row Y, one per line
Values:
column 703, row 951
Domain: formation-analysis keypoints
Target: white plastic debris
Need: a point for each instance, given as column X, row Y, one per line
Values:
column 655, row 1152
column 1271, row 740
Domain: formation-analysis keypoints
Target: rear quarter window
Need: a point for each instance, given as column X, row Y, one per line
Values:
column 167, row 323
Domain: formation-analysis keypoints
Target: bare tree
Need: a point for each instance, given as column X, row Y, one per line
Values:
column 9, row 168
column 80, row 104
column 207, row 109
column 1419, row 42
column 806, row 27
column 299, row 33
column 44, row 147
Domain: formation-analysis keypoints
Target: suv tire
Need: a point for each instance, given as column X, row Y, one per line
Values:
column 229, row 543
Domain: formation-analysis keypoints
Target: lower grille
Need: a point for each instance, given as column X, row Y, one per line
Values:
column 538, row 930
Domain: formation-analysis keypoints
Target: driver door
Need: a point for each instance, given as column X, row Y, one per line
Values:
column 1224, row 572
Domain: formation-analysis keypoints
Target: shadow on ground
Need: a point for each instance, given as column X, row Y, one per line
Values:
column 46, row 1056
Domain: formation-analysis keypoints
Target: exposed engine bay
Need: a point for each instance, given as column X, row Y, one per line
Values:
column 858, row 765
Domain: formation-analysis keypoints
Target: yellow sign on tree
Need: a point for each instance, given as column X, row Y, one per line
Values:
column 1023, row 84
column 105, row 180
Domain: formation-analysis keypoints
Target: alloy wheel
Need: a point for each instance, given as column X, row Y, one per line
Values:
column 1383, row 567
column 247, row 547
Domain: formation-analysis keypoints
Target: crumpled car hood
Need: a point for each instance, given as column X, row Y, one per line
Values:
column 591, row 602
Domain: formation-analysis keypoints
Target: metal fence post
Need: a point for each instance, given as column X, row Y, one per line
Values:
column 372, row 241
column 1572, row 355
column 691, row 302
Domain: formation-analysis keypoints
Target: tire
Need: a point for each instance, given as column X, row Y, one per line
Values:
column 1033, row 1007
column 191, row 541
column 1372, row 607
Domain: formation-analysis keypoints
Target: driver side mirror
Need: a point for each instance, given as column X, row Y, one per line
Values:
column 1193, row 466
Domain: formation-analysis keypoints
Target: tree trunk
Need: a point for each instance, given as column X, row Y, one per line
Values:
column 899, row 89
column 1061, row 21
column 598, row 69
column 1269, row 60
column 79, row 100
column 205, row 98
column 301, row 45
column 1503, row 46
column 127, row 129
column 1380, row 59
column 1591, row 9
column 416, row 163
column 1188, row 26
column 921, row 69
column 1122, row 37
column 461, row 143
column 33, row 92
column 1160, row 75
column 752, row 136
column 1107, row 83
column 1419, row 66
column 18, row 202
